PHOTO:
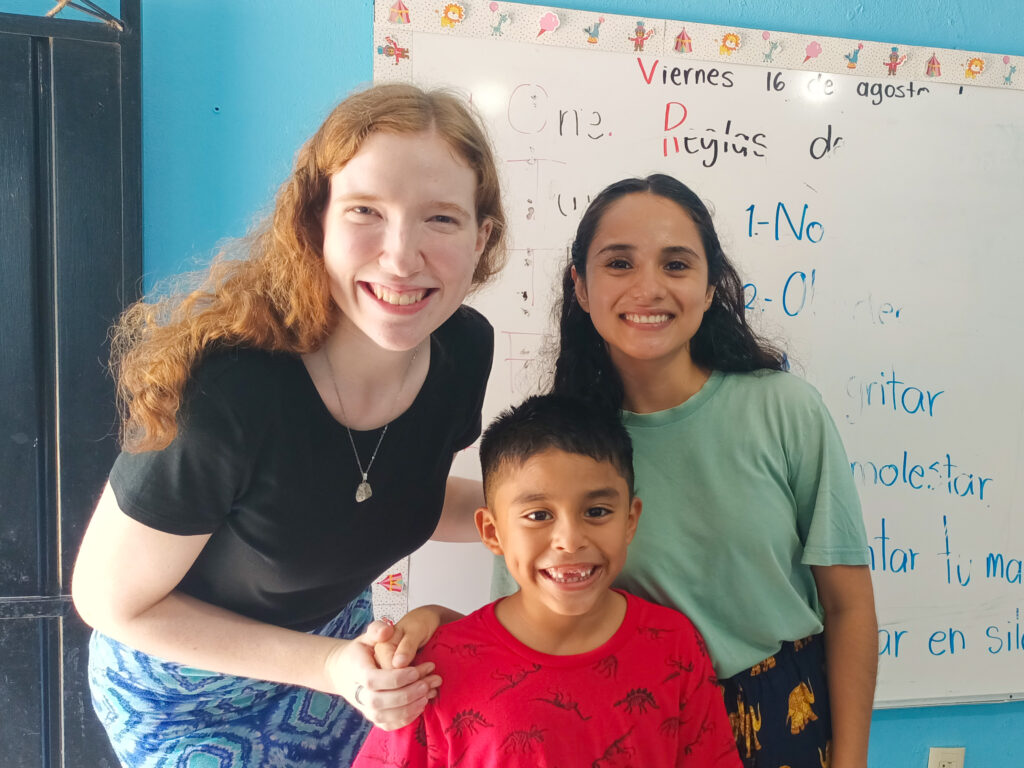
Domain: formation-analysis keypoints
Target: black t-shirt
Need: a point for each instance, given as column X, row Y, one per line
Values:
column 260, row 463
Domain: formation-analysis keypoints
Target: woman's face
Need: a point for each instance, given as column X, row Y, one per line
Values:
column 401, row 239
column 646, row 287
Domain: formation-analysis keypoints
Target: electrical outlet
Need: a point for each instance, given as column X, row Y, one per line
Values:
column 946, row 757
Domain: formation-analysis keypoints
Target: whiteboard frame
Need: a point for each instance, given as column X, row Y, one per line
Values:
column 394, row 54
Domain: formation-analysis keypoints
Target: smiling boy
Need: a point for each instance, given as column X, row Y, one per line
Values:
column 566, row 671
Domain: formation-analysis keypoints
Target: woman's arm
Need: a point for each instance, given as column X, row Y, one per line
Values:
column 851, row 657
column 124, row 585
column 461, row 499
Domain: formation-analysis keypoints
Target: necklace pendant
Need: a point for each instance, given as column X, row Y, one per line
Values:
column 363, row 491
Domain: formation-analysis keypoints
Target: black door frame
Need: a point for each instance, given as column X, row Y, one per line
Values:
column 78, row 292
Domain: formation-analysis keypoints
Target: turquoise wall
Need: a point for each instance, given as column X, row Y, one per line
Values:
column 230, row 89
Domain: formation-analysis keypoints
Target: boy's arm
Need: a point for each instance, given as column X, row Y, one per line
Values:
column 705, row 737
column 408, row 746
column 421, row 743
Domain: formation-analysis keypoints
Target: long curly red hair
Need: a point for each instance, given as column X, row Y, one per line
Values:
column 278, row 297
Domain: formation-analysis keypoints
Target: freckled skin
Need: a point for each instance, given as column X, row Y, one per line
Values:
column 383, row 233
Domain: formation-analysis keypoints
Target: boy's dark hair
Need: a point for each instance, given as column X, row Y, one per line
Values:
column 568, row 424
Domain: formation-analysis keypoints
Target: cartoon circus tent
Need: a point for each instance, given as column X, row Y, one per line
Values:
column 683, row 42
column 393, row 582
column 934, row 69
column 399, row 13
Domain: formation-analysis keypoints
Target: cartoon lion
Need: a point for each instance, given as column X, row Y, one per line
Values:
column 452, row 14
column 974, row 68
column 730, row 43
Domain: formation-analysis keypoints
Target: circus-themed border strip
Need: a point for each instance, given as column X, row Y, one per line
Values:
column 677, row 42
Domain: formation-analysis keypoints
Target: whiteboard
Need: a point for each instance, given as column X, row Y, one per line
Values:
column 874, row 218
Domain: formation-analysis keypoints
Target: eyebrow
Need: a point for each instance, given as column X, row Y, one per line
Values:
column 448, row 206
column 671, row 250
column 609, row 493
column 444, row 205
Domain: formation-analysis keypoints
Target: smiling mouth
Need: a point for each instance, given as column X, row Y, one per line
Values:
column 398, row 298
column 647, row 319
column 575, row 574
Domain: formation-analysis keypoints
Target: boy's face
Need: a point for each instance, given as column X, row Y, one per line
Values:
column 563, row 522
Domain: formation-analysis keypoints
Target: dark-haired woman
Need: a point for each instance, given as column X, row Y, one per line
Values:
column 752, row 524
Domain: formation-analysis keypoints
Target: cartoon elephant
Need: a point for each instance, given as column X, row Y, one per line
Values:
column 800, row 712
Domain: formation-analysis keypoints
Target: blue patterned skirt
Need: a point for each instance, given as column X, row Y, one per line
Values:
column 159, row 714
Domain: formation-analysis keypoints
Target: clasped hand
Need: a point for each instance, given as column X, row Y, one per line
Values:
column 373, row 673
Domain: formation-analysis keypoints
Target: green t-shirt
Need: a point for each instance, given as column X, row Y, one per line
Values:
column 744, row 487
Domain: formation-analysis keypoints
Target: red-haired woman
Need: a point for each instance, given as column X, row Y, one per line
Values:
column 289, row 427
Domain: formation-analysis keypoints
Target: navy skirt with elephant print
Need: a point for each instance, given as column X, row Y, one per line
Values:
column 779, row 708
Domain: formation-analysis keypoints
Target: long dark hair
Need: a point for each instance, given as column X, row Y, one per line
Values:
column 724, row 341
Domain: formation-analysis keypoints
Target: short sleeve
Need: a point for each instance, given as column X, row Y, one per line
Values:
column 408, row 746
column 188, row 487
column 706, row 739
column 476, row 347
column 829, row 515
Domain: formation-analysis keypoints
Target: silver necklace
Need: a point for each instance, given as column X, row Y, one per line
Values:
column 363, row 490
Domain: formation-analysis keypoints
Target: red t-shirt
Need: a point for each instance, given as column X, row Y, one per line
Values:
column 648, row 697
